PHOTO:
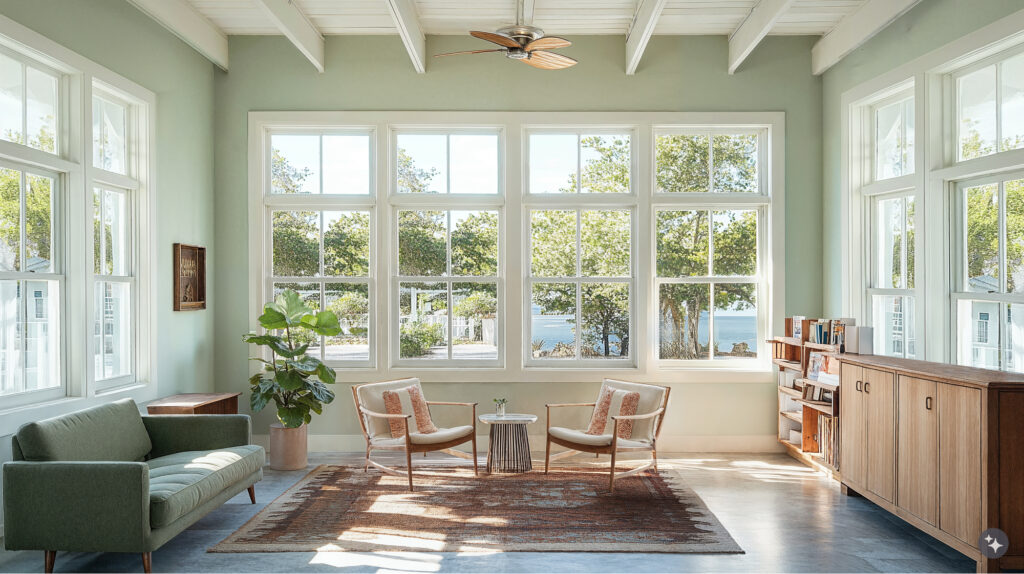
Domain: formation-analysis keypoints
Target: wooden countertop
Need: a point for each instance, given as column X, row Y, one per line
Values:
column 191, row 399
column 938, row 371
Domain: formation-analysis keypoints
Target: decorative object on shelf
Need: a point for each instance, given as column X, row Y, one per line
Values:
column 860, row 340
column 815, row 365
column 499, row 406
column 189, row 277
column 295, row 381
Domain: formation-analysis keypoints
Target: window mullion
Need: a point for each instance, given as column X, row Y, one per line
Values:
column 1002, row 237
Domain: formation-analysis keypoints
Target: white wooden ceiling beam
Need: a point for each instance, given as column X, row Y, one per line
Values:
column 289, row 19
column 193, row 28
column 403, row 12
column 644, row 22
column 855, row 29
column 753, row 29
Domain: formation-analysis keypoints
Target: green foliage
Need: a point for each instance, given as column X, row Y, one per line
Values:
column 418, row 337
column 475, row 245
column 477, row 305
column 351, row 307
column 295, row 381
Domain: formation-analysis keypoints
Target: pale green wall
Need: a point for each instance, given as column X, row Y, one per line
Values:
column 930, row 25
column 374, row 73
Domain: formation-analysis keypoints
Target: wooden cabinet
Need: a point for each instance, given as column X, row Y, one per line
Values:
column 941, row 446
column 917, row 482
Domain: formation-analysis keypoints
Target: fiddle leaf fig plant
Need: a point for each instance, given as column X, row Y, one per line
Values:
column 295, row 381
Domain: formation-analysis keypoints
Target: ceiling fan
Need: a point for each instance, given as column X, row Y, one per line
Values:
column 528, row 44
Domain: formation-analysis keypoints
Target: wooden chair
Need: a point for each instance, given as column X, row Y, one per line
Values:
column 375, row 422
column 646, row 429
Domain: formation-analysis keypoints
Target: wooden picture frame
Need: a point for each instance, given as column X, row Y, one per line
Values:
column 189, row 277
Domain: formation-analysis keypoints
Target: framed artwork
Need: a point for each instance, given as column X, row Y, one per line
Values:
column 189, row 277
column 815, row 365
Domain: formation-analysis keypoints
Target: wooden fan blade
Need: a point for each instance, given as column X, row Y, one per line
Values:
column 469, row 52
column 496, row 38
column 549, row 61
column 547, row 43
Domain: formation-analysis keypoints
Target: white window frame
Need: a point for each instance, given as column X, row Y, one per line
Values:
column 900, row 95
column 954, row 94
column 513, row 202
column 28, row 61
column 79, row 78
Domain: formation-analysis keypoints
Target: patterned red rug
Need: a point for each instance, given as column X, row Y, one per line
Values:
column 339, row 508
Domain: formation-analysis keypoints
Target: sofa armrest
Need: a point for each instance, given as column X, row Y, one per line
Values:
column 180, row 433
column 76, row 506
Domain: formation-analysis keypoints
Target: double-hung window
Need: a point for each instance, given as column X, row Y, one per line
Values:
column 710, row 205
column 581, row 260
column 990, row 107
column 447, row 204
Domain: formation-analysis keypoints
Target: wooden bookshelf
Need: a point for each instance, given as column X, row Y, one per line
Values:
column 806, row 406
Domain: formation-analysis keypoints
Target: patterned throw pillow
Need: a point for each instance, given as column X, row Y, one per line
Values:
column 408, row 401
column 612, row 401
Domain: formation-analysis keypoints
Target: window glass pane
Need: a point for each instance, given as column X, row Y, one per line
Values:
column 909, row 241
column 346, row 243
column 979, row 333
column 894, row 316
column 983, row 238
column 1013, row 349
column 296, row 243
column 474, row 321
column 10, row 219
column 605, row 163
column 346, row 164
column 682, row 243
column 310, row 295
column 115, row 225
column 1012, row 77
column 108, row 135
column 112, row 330
column 422, row 244
column 907, row 153
column 894, row 139
column 977, row 97
column 474, row 163
column 605, row 243
column 38, row 224
column 890, row 243
column 42, row 110
column 1015, row 236
column 604, row 309
column 735, row 159
column 554, row 159
column 683, row 320
column 350, row 302
column 423, row 320
column 553, row 321
column 682, row 163
column 474, row 243
column 11, row 82
column 295, row 163
column 735, row 241
column 12, row 356
column 422, row 163
column 735, row 320
column 553, row 243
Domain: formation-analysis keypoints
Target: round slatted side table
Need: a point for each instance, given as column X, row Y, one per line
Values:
column 509, row 447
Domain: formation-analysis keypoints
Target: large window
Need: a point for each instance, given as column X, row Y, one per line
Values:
column 29, row 102
column 517, row 246
column 990, row 108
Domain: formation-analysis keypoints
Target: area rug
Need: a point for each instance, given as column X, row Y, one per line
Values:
column 340, row 508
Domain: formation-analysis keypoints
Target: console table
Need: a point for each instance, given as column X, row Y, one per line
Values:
column 509, row 447
column 196, row 404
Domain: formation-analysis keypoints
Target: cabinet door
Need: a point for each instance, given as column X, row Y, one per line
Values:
column 917, row 467
column 880, row 402
column 960, row 461
column 852, row 446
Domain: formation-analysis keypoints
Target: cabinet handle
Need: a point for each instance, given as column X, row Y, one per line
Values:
column 859, row 383
column 867, row 388
column 928, row 403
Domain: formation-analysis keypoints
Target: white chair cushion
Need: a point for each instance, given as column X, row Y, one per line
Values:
column 581, row 437
column 442, row 435
column 371, row 397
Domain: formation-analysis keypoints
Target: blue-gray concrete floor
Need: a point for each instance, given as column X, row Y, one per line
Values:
column 786, row 517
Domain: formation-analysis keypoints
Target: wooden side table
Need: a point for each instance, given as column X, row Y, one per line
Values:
column 509, row 447
column 196, row 404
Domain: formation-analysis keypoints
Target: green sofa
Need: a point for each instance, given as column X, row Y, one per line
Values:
column 107, row 479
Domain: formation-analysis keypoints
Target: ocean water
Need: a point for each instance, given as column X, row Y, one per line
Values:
column 730, row 329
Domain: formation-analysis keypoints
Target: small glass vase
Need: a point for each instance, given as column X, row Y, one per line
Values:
column 499, row 409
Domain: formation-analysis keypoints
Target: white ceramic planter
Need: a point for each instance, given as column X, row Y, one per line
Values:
column 288, row 447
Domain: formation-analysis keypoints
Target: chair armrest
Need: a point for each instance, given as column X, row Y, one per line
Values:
column 649, row 415
column 77, row 506
column 554, row 405
column 180, row 433
column 431, row 403
column 368, row 412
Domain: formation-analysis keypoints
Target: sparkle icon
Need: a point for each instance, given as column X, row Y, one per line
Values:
column 993, row 543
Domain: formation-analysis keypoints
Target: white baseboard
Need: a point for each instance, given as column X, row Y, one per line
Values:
column 739, row 444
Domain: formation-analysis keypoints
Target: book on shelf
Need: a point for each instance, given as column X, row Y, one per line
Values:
column 828, row 440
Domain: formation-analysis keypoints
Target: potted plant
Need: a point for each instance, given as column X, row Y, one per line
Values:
column 295, row 381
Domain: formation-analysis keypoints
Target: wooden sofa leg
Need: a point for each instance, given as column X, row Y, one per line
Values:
column 147, row 562
column 49, row 559
column 252, row 493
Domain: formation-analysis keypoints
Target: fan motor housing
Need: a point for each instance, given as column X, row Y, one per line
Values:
column 522, row 34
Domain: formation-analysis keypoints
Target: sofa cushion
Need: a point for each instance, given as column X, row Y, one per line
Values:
column 110, row 432
column 182, row 481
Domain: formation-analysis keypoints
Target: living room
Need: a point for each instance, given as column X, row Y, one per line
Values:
column 515, row 285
